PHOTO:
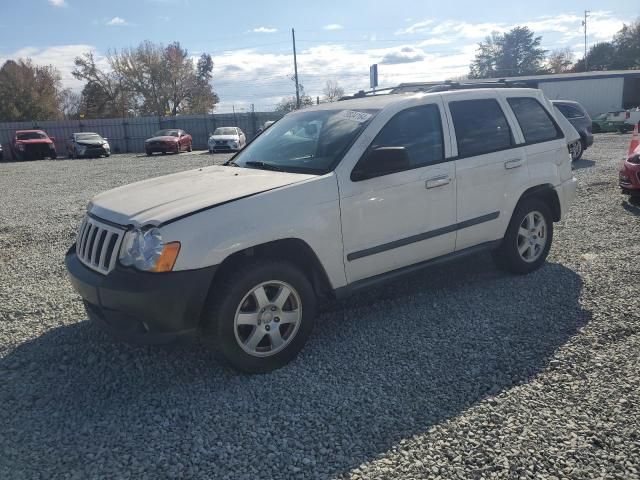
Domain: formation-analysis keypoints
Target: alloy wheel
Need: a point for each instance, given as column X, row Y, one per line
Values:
column 532, row 236
column 268, row 318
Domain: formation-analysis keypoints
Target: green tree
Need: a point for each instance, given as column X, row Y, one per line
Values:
column 627, row 44
column 511, row 54
column 601, row 56
column 30, row 92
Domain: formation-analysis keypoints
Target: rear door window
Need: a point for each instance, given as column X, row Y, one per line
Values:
column 569, row 111
column 481, row 127
column 535, row 122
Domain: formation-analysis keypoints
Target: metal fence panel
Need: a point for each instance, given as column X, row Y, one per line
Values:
column 128, row 134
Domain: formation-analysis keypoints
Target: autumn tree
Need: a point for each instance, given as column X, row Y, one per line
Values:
column 29, row 91
column 560, row 61
column 511, row 54
column 151, row 79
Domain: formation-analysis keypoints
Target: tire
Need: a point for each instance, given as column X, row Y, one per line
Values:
column 249, row 347
column 149, row 153
column 576, row 149
column 190, row 148
column 508, row 255
column 54, row 156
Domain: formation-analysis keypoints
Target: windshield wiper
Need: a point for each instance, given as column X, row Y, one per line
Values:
column 264, row 166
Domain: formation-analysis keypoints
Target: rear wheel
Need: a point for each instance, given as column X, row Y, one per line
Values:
column 576, row 150
column 261, row 316
column 190, row 148
column 528, row 239
column 149, row 153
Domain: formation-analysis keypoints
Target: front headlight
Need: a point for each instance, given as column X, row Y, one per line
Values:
column 145, row 250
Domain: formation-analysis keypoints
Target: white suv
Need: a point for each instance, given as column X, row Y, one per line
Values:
column 372, row 188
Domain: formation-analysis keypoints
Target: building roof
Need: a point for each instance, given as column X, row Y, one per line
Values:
column 557, row 77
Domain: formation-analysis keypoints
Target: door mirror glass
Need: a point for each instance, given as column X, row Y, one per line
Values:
column 381, row 161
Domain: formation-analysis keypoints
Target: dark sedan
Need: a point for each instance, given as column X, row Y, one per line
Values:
column 87, row 144
column 581, row 121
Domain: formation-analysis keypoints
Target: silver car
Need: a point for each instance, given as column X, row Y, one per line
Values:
column 227, row 139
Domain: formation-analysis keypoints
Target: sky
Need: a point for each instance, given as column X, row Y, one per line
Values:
column 250, row 41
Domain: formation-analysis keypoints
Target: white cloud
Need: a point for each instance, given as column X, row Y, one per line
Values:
column 58, row 3
column 117, row 22
column 418, row 27
column 264, row 30
column 333, row 26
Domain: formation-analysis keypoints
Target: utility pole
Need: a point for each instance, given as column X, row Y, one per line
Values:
column 295, row 67
column 584, row 24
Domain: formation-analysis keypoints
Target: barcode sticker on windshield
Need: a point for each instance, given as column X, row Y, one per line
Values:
column 354, row 116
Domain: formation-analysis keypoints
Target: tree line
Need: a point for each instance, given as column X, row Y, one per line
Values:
column 519, row 52
column 150, row 79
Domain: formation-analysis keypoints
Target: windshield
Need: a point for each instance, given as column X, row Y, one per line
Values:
column 167, row 133
column 305, row 142
column 88, row 136
column 31, row 136
column 225, row 131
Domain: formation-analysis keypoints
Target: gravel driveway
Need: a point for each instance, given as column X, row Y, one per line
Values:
column 459, row 372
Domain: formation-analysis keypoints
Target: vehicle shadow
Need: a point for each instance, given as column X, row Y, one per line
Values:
column 582, row 163
column 632, row 205
column 380, row 367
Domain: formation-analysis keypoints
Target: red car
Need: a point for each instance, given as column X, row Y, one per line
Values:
column 33, row 145
column 171, row 140
column 629, row 175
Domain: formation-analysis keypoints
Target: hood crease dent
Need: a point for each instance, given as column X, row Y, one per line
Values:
column 165, row 199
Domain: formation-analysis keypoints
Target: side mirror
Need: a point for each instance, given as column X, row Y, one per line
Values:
column 381, row 161
column 53, row 139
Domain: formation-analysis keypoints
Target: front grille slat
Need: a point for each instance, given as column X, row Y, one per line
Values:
column 98, row 244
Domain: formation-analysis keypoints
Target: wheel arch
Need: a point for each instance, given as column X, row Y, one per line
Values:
column 547, row 193
column 293, row 250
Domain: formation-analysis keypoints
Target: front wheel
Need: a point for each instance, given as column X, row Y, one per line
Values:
column 261, row 316
column 528, row 239
column 190, row 148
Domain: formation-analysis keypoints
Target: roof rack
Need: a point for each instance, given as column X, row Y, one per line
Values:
column 449, row 85
column 368, row 93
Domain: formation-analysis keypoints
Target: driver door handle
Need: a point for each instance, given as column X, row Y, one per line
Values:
column 438, row 181
column 513, row 163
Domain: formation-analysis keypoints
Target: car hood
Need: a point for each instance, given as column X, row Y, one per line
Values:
column 166, row 138
column 158, row 200
column 224, row 137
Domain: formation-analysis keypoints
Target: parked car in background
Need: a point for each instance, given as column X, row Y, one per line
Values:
column 171, row 140
column 87, row 144
column 581, row 121
column 333, row 199
column 265, row 126
column 629, row 175
column 33, row 145
column 615, row 121
column 227, row 139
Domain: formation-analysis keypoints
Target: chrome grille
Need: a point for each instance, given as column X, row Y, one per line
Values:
column 98, row 244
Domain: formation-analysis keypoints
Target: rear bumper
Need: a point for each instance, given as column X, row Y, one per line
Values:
column 141, row 307
column 588, row 139
column 567, row 194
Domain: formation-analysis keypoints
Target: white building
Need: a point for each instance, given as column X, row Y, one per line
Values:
column 598, row 92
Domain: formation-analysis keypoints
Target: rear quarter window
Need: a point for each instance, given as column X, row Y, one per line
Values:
column 536, row 123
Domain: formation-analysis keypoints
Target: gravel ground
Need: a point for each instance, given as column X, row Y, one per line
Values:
column 459, row 372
